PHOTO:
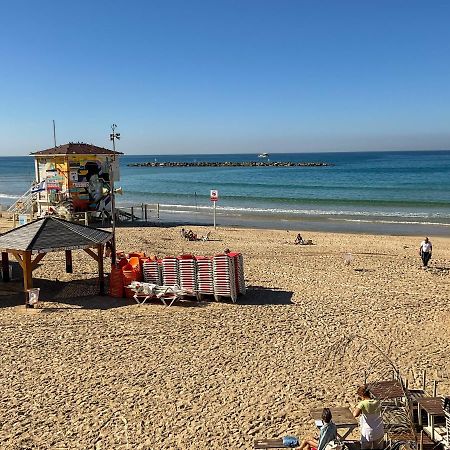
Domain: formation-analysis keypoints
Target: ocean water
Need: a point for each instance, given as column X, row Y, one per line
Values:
column 366, row 191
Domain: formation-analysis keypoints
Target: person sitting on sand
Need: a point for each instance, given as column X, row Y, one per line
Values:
column 298, row 239
column 191, row 236
column 370, row 421
column 328, row 433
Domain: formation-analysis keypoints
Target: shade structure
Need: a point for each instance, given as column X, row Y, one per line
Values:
column 51, row 234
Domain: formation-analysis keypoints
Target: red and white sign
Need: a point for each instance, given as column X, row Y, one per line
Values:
column 214, row 195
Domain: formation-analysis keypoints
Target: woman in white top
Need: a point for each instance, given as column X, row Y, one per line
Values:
column 425, row 251
column 370, row 421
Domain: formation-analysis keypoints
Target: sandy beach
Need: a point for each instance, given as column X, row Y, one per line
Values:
column 88, row 372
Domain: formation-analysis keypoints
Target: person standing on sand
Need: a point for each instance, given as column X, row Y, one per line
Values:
column 425, row 251
column 370, row 421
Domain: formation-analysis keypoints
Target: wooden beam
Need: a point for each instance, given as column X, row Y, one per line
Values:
column 18, row 256
column 101, row 275
column 69, row 268
column 91, row 253
column 36, row 260
column 5, row 266
column 27, row 275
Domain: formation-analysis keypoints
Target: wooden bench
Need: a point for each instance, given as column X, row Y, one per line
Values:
column 261, row 444
column 428, row 444
column 269, row 443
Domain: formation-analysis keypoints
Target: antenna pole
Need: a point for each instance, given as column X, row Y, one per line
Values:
column 113, row 136
column 54, row 133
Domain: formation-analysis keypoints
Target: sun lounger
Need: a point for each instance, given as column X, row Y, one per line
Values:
column 190, row 236
column 147, row 291
column 206, row 237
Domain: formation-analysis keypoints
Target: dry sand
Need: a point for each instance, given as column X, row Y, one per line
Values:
column 99, row 373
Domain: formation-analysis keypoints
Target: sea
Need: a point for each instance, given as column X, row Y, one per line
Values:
column 402, row 192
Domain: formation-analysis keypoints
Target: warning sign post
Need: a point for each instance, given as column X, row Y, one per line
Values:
column 214, row 197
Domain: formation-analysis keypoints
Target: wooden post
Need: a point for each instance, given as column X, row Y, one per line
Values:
column 132, row 214
column 101, row 275
column 145, row 212
column 27, row 276
column 5, row 266
column 434, row 388
column 86, row 218
column 142, row 211
column 424, row 380
column 69, row 268
column 157, row 210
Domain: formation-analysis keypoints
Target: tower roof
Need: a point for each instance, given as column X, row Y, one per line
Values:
column 76, row 148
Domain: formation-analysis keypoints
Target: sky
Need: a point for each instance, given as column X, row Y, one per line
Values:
column 244, row 76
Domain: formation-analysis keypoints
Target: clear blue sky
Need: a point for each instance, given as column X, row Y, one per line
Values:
column 226, row 76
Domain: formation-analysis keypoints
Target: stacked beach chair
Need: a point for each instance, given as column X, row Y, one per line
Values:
column 205, row 280
column 221, row 275
column 239, row 271
column 187, row 270
column 224, row 272
column 152, row 272
column 170, row 271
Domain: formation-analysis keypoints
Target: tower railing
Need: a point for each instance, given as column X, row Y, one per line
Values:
column 24, row 204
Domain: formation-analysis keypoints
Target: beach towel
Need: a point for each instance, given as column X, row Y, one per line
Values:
column 290, row 441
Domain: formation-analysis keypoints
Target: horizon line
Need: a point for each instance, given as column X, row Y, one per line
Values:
column 273, row 153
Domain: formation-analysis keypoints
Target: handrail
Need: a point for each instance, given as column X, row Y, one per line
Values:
column 22, row 204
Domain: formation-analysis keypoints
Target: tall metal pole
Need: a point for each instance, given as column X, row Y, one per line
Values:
column 54, row 133
column 113, row 199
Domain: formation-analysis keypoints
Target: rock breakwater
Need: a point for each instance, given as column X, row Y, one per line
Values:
column 231, row 164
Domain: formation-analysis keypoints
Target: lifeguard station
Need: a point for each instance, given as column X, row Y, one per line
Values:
column 72, row 181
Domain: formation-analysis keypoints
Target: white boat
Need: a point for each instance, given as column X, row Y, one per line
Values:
column 263, row 155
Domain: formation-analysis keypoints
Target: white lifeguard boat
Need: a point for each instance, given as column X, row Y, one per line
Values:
column 263, row 155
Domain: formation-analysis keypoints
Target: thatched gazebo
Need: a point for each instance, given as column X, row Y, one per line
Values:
column 51, row 234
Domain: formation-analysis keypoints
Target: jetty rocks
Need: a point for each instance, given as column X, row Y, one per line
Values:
column 231, row 164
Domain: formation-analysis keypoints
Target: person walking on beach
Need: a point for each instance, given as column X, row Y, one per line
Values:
column 425, row 251
column 370, row 421
column 328, row 433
